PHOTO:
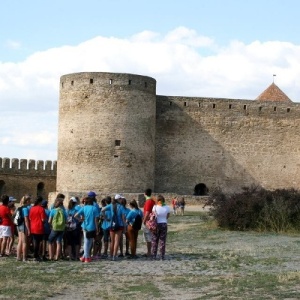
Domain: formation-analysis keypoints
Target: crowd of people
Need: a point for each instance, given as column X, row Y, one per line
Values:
column 84, row 230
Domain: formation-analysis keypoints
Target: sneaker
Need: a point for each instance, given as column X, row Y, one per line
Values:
column 96, row 257
column 127, row 254
column 121, row 255
column 88, row 260
column 82, row 259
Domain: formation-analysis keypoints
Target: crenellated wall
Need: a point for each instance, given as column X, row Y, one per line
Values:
column 226, row 143
column 19, row 177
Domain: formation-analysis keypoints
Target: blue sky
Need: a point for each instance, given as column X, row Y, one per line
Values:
column 216, row 48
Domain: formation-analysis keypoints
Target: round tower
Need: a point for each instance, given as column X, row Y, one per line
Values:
column 106, row 136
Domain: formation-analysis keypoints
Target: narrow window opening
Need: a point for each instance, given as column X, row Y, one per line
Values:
column 260, row 108
column 288, row 110
column 230, row 106
column 129, row 81
column 91, row 81
column 214, row 105
column 245, row 107
column 145, row 84
column 275, row 108
column 117, row 142
column 185, row 104
column 62, row 84
column 116, row 156
column 198, row 104
column 170, row 103
column 72, row 82
column 110, row 81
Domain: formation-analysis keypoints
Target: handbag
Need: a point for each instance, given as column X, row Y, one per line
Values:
column 151, row 223
column 90, row 234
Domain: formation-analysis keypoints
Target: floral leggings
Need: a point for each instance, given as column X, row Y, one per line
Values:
column 159, row 237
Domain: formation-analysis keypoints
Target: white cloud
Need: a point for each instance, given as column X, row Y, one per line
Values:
column 182, row 61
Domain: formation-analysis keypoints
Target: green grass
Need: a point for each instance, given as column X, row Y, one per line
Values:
column 204, row 262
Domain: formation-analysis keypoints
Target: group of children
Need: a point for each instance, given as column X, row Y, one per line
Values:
column 59, row 232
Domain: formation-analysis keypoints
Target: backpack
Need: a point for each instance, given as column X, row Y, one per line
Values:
column 71, row 224
column 137, row 223
column 19, row 217
column 58, row 221
column 151, row 223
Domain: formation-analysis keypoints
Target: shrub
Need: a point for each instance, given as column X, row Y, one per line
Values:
column 257, row 209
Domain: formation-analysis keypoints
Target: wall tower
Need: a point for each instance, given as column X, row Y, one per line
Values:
column 106, row 138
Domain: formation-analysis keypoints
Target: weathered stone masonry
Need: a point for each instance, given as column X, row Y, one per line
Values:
column 19, row 177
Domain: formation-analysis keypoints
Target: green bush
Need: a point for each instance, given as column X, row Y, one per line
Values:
column 257, row 209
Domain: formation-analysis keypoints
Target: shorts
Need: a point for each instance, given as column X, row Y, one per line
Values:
column 147, row 234
column 106, row 235
column 56, row 236
column 46, row 236
column 22, row 228
column 5, row 231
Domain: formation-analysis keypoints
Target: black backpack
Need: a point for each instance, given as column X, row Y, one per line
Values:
column 137, row 223
column 19, row 218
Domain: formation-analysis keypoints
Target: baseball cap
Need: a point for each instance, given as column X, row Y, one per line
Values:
column 12, row 199
column 92, row 194
column 73, row 199
column 44, row 203
column 118, row 196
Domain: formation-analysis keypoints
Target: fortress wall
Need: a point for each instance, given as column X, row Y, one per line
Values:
column 106, row 139
column 226, row 143
column 19, row 177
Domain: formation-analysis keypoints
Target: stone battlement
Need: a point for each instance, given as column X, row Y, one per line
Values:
column 30, row 167
column 226, row 105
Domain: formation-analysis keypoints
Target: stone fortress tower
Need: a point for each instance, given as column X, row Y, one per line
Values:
column 106, row 139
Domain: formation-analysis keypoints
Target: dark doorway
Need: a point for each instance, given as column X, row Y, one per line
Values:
column 2, row 187
column 40, row 189
column 200, row 190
